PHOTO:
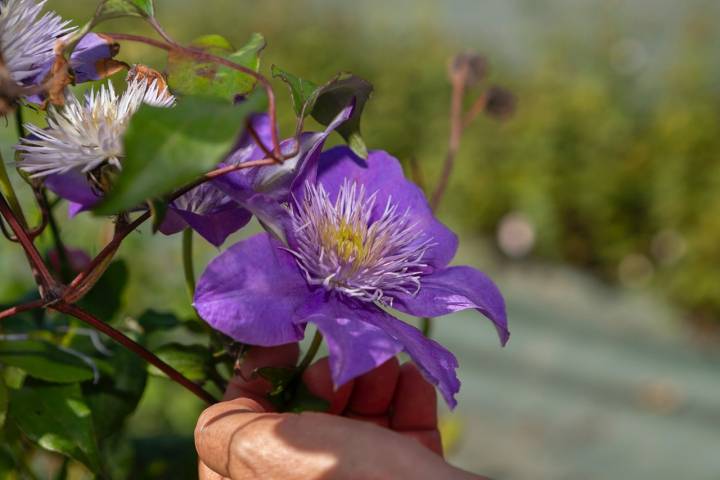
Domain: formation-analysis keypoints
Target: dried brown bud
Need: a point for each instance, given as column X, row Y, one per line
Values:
column 155, row 82
column 8, row 90
column 473, row 66
column 500, row 102
column 148, row 75
column 107, row 67
column 59, row 78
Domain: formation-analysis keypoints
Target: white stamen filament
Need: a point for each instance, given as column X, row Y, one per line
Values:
column 343, row 248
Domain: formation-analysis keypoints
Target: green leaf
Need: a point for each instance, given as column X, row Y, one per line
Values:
column 193, row 361
column 336, row 95
column 289, row 393
column 44, row 361
column 302, row 91
column 118, row 392
column 326, row 101
column 279, row 377
column 56, row 418
column 152, row 321
column 158, row 210
column 105, row 298
column 168, row 148
column 123, row 8
column 14, row 377
column 188, row 76
column 305, row 401
column 4, row 397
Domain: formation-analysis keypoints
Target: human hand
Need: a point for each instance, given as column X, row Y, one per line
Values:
column 381, row 425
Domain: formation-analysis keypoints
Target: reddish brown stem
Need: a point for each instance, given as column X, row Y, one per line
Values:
column 256, row 138
column 477, row 108
column 21, row 308
column 208, row 57
column 135, row 347
column 47, row 281
column 77, row 289
column 220, row 172
column 79, row 286
column 456, row 131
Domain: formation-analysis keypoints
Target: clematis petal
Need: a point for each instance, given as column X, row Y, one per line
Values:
column 216, row 226
column 261, row 190
column 355, row 345
column 437, row 364
column 453, row 289
column 251, row 291
column 73, row 187
column 383, row 174
column 172, row 223
column 247, row 150
column 90, row 58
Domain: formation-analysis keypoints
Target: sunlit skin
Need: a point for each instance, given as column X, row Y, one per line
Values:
column 383, row 425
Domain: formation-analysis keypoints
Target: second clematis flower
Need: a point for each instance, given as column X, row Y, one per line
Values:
column 27, row 43
column 361, row 241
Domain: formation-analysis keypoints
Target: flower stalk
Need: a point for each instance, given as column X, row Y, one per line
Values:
column 311, row 352
column 188, row 264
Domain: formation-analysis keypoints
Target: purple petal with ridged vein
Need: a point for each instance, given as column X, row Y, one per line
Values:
column 355, row 345
column 251, row 292
column 454, row 289
column 437, row 364
column 383, row 174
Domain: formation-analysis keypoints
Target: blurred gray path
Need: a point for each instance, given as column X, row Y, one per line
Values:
column 594, row 384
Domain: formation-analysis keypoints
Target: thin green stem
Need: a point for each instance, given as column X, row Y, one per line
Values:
column 312, row 351
column 66, row 272
column 426, row 326
column 188, row 264
column 9, row 192
column 19, row 123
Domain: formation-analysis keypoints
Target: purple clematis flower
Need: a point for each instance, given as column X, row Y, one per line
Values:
column 361, row 240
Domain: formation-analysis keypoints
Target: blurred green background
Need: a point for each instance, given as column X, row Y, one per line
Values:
column 594, row 206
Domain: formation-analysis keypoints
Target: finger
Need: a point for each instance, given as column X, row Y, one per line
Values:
column 247, row 383
column 217, row 427
column 379, row 420
column 429, row 438
column 206, row 473
column 234, row 441
column 415, row 401
column 318, row 380
column 373, row 392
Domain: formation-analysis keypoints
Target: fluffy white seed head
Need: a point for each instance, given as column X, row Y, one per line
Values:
column 84, row 135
